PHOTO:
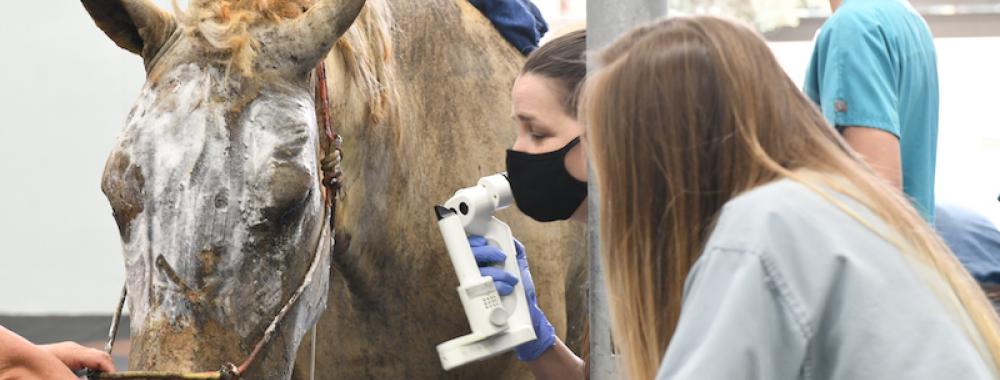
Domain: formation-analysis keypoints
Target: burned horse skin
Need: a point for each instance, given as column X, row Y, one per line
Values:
column 216, row 190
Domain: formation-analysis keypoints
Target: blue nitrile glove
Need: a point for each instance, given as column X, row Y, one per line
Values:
column 519, row 21
column 486, row 256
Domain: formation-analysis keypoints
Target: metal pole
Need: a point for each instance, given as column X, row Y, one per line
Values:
column 606, row 20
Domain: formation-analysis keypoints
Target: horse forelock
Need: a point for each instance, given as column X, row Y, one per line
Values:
column 367, row 47
column 225, row 25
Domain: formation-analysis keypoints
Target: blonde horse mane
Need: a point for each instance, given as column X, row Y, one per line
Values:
column 369, row 43
column 225, row 26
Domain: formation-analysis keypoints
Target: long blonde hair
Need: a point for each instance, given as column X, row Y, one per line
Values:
column 688, row 113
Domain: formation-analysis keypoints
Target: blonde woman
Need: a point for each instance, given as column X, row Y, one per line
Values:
column 744, row 239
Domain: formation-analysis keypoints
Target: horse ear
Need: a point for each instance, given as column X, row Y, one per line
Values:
column 138, row 26
column 311, row 36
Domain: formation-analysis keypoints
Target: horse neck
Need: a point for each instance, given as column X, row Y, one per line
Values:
column 365, row 108
column 445, row 93
column 366, row 101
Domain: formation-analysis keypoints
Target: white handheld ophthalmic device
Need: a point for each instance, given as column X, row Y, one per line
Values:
column 498, row 323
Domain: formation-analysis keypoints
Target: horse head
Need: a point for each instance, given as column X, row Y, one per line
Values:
column 214, row 182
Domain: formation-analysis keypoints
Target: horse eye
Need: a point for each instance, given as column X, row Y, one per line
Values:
column 290, row 187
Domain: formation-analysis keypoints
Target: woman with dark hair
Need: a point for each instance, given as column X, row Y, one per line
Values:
column 547, row 170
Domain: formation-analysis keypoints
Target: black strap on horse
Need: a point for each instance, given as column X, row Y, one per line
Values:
column 332, row 182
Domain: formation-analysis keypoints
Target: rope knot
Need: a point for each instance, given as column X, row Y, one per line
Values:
column 229, row 371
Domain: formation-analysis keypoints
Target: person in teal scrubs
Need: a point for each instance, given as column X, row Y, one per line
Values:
column 873, row 74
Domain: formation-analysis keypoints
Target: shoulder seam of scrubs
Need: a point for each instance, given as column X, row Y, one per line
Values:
column 795, row 309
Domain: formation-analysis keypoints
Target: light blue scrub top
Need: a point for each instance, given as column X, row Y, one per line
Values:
column 875, row 66
column 789, row 286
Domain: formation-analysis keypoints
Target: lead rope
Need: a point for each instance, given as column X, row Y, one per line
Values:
column 312, row 355
column 331, row 182
column 230, row 371
column 114, row 321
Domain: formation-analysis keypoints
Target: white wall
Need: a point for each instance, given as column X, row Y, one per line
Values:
column 64, row 91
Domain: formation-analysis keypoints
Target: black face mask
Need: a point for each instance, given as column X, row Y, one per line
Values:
column 542, row 187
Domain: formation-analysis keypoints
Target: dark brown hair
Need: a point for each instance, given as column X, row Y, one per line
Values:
column 564, row 61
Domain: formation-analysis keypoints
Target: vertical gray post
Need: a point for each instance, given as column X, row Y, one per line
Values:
column 606, row 20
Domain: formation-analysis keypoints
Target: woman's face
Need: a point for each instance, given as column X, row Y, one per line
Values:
column 544, row 126
column 542, row 122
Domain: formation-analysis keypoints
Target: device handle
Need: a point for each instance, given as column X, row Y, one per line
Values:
column 458, row 245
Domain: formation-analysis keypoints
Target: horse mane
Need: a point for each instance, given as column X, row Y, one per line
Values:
column 367, row 52
column 225, row 25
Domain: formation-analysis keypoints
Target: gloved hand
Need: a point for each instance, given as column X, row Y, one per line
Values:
column 486, row 257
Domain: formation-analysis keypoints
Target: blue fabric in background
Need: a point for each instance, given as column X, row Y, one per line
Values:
column 973, row 238
column 519, row 21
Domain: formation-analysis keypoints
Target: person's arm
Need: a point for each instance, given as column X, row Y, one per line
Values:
column 558, row 363
column 20, row 359
column 880, row 149
column 853, row 79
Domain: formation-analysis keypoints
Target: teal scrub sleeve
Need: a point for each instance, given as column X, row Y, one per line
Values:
column 857, row 76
